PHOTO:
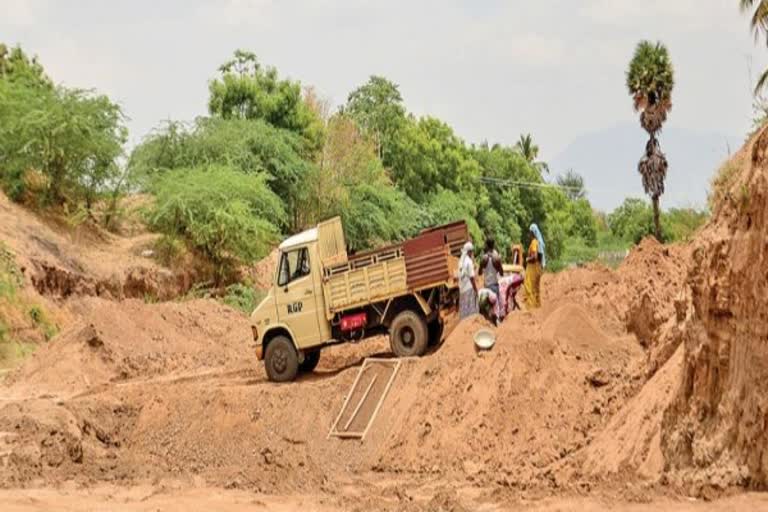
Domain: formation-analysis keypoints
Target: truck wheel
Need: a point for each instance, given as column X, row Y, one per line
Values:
column 408, row 334
column 436, row 328
column 281, row 360
column 311, row 358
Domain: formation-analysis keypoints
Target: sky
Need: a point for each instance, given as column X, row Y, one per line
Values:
column 491, row 69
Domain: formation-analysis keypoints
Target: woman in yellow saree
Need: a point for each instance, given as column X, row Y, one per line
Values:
column 536, row 260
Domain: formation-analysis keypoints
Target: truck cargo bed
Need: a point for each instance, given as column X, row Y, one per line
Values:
column 428, row 260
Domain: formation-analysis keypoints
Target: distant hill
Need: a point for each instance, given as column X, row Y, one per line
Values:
column 607, row 160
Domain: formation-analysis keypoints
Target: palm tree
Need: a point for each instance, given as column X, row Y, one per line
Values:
column 650, row 81
column 759, row 24
column 530, row 152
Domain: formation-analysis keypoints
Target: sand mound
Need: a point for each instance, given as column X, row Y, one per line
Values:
column 512, row 413
column 117, row 341
column 571, row 325
column 645, row 296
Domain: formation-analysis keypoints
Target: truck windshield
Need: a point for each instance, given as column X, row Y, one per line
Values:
column 293, row 265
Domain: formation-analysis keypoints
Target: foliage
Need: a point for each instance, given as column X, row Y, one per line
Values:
column 71, row 137
column 40, row 319
column 650, row 78
column 573, row 185
column 447, row 206
column 250, row 147
column 380, row 215
column 17, row 67
column 503, row 169
column 247, row 90
column 243, row 297
column 632, row 221
column 348, row 159
column 11, row 277
column 378, row 109
column 682, row 223
column 721, row 184
column 427, row 155
column 229, row 217
column 530, row 152
column 759, row 25
column 169, row 250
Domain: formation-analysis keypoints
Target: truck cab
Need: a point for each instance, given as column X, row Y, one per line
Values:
column 294, row 308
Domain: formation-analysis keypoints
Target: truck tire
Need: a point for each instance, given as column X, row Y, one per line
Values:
column 281, row 360
column 311, row 358
column 408, row 334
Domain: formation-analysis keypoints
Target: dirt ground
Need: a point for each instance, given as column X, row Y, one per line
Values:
column 182, row 498
column 623, row 392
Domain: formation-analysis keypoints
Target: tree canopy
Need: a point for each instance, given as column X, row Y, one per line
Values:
column 247, row 90
column 62, row 142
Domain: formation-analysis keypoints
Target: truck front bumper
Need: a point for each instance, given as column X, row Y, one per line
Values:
column 258, row 346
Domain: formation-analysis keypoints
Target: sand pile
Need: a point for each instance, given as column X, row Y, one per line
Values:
column 715, row 433
column 513, row 413
column 118, row 341
column 644, row 296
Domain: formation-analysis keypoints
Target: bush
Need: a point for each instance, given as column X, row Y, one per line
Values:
column 229, row 217
column 251, row 147
column 243, row 297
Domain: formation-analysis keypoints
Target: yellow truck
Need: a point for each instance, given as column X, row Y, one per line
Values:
column 322, row 295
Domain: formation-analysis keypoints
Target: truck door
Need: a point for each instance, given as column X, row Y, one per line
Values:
column 296, row 299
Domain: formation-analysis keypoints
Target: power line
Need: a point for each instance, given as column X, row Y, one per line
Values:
column 526, row 184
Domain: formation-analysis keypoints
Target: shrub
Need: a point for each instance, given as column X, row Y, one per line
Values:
column 243, row 297
column 227, row 216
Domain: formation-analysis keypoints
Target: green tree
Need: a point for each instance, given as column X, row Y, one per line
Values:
column 348, row 159
column 16, row 66
column 506, row 175
column 427, row 155
column 377, row 107
column 447, row 206
column 682, row 223
column 71, row 137
column 247, row 90
column 380, row 214
column 530, row 152
column 650, row 80
column 573, row 185
column 632, row 221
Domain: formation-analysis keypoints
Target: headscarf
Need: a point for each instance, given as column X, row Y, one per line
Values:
column 537, row 233
column 468, row 247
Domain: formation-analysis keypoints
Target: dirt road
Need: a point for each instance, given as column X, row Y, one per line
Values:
column 172, row 498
